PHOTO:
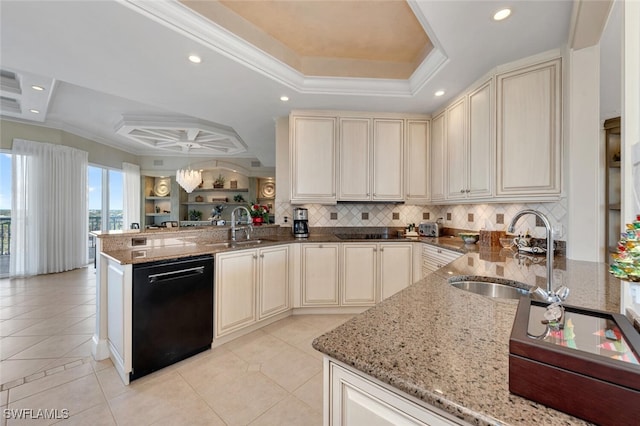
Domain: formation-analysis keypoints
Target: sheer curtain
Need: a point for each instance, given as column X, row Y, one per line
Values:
column 131, row 205
column 48, row 208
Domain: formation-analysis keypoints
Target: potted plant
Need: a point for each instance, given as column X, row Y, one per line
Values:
column 260, row 214
column 219, row 182
column 195, row 215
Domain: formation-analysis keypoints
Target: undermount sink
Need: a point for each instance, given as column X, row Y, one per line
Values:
column 492, row 289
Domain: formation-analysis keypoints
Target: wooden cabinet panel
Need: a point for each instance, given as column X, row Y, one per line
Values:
column 481, row 141
column 437, row 157
column 273, row 281
column 396, row 268
column 417, row 183
column 455, row 148
column 312, row 162
column 529, row 130
column 235, row 291
column 359, row 274
column 355, row 155
column 320, row 275
column 388, row 160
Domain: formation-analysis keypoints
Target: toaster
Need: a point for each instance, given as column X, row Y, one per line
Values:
column 430, row 229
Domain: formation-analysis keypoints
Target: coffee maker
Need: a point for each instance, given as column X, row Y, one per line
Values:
column 300, row 222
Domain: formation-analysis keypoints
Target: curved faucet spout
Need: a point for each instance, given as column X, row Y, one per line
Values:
column 547, row 225
column 233, row 221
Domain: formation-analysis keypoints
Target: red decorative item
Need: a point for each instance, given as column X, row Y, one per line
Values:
column 257, row 220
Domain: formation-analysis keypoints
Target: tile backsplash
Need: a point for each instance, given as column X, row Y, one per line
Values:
column 462, row 216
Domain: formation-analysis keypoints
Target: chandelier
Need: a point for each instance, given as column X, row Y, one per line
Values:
column 188, row 179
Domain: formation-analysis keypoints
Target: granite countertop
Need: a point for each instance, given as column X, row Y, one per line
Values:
column 449, row 348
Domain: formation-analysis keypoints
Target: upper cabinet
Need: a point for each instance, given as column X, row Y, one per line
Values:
column 529, row 114
column 355, row 159
column 312, row 162
column 417, row 168
column 388, row 160
column 436, row 157
column 455, row 150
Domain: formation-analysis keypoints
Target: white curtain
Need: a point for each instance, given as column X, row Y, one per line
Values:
column 131, row 206
column 49, row 215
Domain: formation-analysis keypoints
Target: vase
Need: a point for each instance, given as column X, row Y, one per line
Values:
column 257, row 220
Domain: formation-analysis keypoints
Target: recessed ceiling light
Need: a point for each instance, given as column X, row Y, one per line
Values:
column 38, row 88
column 35, row 111
column 439, row 93
column 284, row 98
column 502, row 14
column 195, row 59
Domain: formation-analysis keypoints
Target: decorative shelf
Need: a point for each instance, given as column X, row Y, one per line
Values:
column 614, row 164
column 157, row 214
column 210, row 203
column 614, row 206
column 156, row 197
column 221, row 190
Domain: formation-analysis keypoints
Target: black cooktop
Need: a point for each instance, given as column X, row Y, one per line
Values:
column 367, row 237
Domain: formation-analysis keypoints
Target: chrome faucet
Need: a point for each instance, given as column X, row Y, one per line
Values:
column 233, row 223
column 550, row 295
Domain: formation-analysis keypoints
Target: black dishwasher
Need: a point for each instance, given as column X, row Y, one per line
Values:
column 172, row 312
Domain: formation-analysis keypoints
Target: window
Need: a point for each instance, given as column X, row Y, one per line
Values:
column 5, row 212
column 105, row 199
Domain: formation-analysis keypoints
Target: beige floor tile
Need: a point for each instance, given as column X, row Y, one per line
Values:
column 83, row 350
column 326, row 322
column 111, row 383
column 256, row 347
column 46, row 311
column 11, row 345
column 11, row 326
column 59, row 364
column 100, row 415
column 75, row 396
column 197, row 414
column 239, row 399
column 81, row 311
column 293, row 330
column 4, row 398
column 10, row 312
column 311, row 392
column 48, row 382
column 47, row 327
column 17, row 369
column 290, row 411
column 199, row 373
column 101, row 364
column 291, row 368
column 53, row 347
column 147, row 402
column 86, row 326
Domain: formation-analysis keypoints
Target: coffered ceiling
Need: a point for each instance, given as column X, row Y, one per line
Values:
column 115, row 59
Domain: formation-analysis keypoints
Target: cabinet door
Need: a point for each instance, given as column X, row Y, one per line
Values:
column 481, row 143
column 119, row 315
column 273, row 281
column 396, row 268
column 417, row 162
column 437, row 157
column 320, row 275
column 529, row 130
column 434, row 258
column 235, row 291
column 359, row 275
column 355, row 400
column 456, row 155
column 354, row 143
column 313, row 153
column 388, row 160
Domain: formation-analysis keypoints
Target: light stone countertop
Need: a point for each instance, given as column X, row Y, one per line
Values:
column 449, row 348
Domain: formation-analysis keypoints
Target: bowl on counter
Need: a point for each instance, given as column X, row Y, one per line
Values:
column 469, row 237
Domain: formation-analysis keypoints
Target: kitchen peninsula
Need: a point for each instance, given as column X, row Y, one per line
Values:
column 431, row 343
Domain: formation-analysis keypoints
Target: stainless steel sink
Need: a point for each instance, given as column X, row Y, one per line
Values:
column 492, row 289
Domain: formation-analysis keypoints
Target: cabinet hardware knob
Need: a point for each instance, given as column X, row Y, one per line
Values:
column 255, row 257
column 320, row 246
column 439, row 251
column 462, row 191
column 468, row 191
column 382, row 249
column 262, row 255
column 375, row 250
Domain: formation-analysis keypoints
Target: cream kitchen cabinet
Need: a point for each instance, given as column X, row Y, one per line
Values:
column 320, row 274
column 353, row 399
column 529, row 131
column 235, row 291
column 371, row 159
column 470, row 145
column 355, row 159
column 119, row 315
column 437, row 157
column 273, row 281
column 396, row 268
column 312, row 150
column 417, row 168
column 359, row 274
column 251, row 285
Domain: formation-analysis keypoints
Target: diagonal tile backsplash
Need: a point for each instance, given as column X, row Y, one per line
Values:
column 463, row 216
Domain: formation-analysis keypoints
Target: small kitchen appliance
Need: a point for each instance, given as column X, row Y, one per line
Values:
column 300, row 222
column 430, row 229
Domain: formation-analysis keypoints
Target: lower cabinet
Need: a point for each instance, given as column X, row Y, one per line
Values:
column 396, row 268
column 119, row 316
column 250, row 285
column 354, row 399
column 434, row 258
column 320, row 275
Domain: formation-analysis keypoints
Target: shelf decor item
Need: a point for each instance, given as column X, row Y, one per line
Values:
column 195, row 215
column 260, row 214
column 219, row 182
column 626, row 262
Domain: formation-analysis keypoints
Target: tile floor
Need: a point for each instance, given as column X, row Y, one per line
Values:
column 268, row 377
